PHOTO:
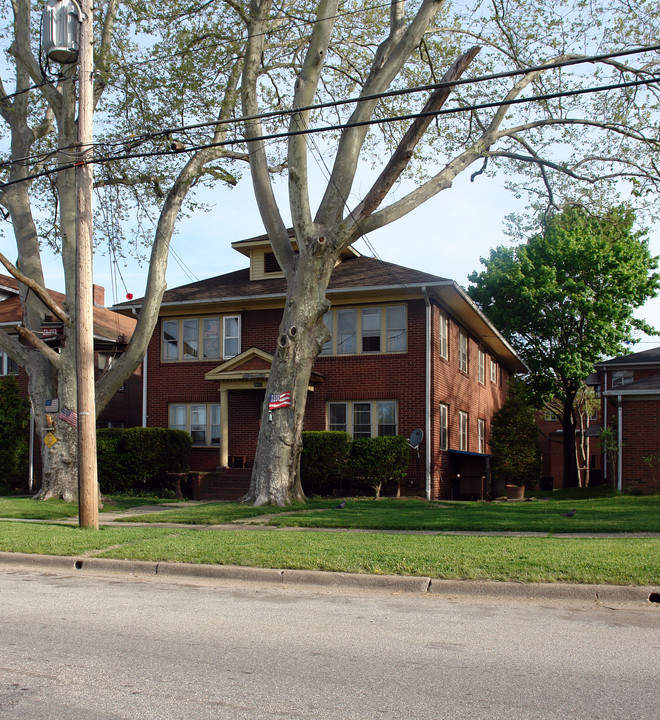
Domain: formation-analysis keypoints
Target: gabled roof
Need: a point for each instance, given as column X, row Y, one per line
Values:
column 644, row 357
column 9, row 284
column 356, row 276
column 108, row 325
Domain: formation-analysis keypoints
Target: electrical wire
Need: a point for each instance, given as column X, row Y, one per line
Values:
column 136, row 140
column 334, row 128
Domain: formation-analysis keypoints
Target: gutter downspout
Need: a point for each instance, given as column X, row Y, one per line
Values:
column 427, row 413
column 620, row 445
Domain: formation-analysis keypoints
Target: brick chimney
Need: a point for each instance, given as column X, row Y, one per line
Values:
column 99, row 295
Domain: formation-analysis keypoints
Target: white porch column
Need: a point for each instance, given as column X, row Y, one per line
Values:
column 224, row 427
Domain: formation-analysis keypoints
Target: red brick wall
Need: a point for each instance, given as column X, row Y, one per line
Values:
column 395, row 376
column 641, row 439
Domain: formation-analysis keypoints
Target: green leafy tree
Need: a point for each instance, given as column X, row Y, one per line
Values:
column 565, row 300
column 14, row 433
column 514, row 439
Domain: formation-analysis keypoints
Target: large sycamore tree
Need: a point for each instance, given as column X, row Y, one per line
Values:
column 566, row 299
column 563, row 145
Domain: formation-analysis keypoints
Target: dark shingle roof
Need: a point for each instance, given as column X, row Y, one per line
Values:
column 645, row 357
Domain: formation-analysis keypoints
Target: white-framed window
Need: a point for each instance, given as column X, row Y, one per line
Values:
column 463, row 421
column 493, row 370
column 481, row 435
column 462, row 352
column 7, row 365
column 621, row 378
column 109, row 424
column 482, row 367
column 443, row 427
column 443, row 336
column 368, row 330
column 549, row 416
column 190, row 339
column 200, row 420
column 363, row 418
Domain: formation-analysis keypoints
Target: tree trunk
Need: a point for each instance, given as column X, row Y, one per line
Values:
column 275, row 477
column 569, row 454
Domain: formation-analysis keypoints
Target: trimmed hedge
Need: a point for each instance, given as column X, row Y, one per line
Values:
column 323, row 461
column 377, row 460
column 134, row 460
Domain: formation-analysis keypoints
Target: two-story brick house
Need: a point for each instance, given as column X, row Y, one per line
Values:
column 409, row 350
column 630, row 389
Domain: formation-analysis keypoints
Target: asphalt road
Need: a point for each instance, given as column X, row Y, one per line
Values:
column 92, row 648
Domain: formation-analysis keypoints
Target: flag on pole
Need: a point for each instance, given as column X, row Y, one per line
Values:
column 69, row 416
column 279, row 400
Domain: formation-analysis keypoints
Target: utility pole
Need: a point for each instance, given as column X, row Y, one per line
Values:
column 88, row 493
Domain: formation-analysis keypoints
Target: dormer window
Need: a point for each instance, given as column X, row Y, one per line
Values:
column 270, row 264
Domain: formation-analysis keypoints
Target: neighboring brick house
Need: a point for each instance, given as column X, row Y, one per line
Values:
column 112, row 332
column 409, row 350
column 630, row 387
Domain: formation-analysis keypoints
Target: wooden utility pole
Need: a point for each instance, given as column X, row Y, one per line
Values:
column 88, row 493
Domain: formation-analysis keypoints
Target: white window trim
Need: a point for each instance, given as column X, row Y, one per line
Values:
column 494, row 366
column 374, row 414
column 463, row 430
column 443, row 427
column 482, row 367
column 209, row 420
column 331, row 319
column 463, row 352
column 481, row 435
column 7, row 365
column 222, row 354
column 443, row 336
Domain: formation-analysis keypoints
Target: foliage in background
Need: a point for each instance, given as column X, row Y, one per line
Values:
column 565, row 299
column 323, row 461
column 137, row 460
column 379, row 460
column 14, row 434
column 514, row 439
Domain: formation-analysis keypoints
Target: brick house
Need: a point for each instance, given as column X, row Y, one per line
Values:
column 409, row 350
column 112, row 332
column 630, row 387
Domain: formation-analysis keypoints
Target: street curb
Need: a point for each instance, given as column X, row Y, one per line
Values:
column 647, row 595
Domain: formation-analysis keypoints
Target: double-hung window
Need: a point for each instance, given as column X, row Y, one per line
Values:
column 7, row 365
column 443, row 344
column 368, row 330
column 493, row 370
column 462, row 352
column 208, row 338
column 363, row 418
column 481, row 435
column 443, row 427
column 200, row 420
column 462, row 430
column 482, row 367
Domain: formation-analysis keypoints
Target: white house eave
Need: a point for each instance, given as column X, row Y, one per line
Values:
column 630, row 393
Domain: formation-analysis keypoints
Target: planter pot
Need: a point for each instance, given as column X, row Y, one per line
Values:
column 515, row 492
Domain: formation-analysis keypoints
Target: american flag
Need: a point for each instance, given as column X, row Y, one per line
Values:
column 52, row 405
column 280, row 400
column 69, row 416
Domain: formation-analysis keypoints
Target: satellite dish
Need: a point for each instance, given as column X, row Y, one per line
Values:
column 416, row 437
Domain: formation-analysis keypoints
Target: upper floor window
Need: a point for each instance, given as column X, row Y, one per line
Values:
column 462, row 352
column 443, row 348
column 621, row 378
column 493, row 370
column 549, row 416
column 363, row 419
column 7, row 365
column 200, row 421
column 381, row 329
column 209, row 338
column 482, row 367
column 462, row 430
column 443, row 423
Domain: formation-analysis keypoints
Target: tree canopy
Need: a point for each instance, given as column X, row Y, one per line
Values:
column 566, row 298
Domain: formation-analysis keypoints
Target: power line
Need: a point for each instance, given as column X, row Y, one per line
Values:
column 334, row 128
column 135, row 140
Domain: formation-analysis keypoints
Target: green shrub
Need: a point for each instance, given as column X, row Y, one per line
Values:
column 14, row 434
column 380, row 459
column 323, row 461
column 137, row 460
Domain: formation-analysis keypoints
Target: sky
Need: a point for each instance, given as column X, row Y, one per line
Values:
column 446, row 236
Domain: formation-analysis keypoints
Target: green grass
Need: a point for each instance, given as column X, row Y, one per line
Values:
column 28, row 509
column 623, row 561
column 609, row 514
